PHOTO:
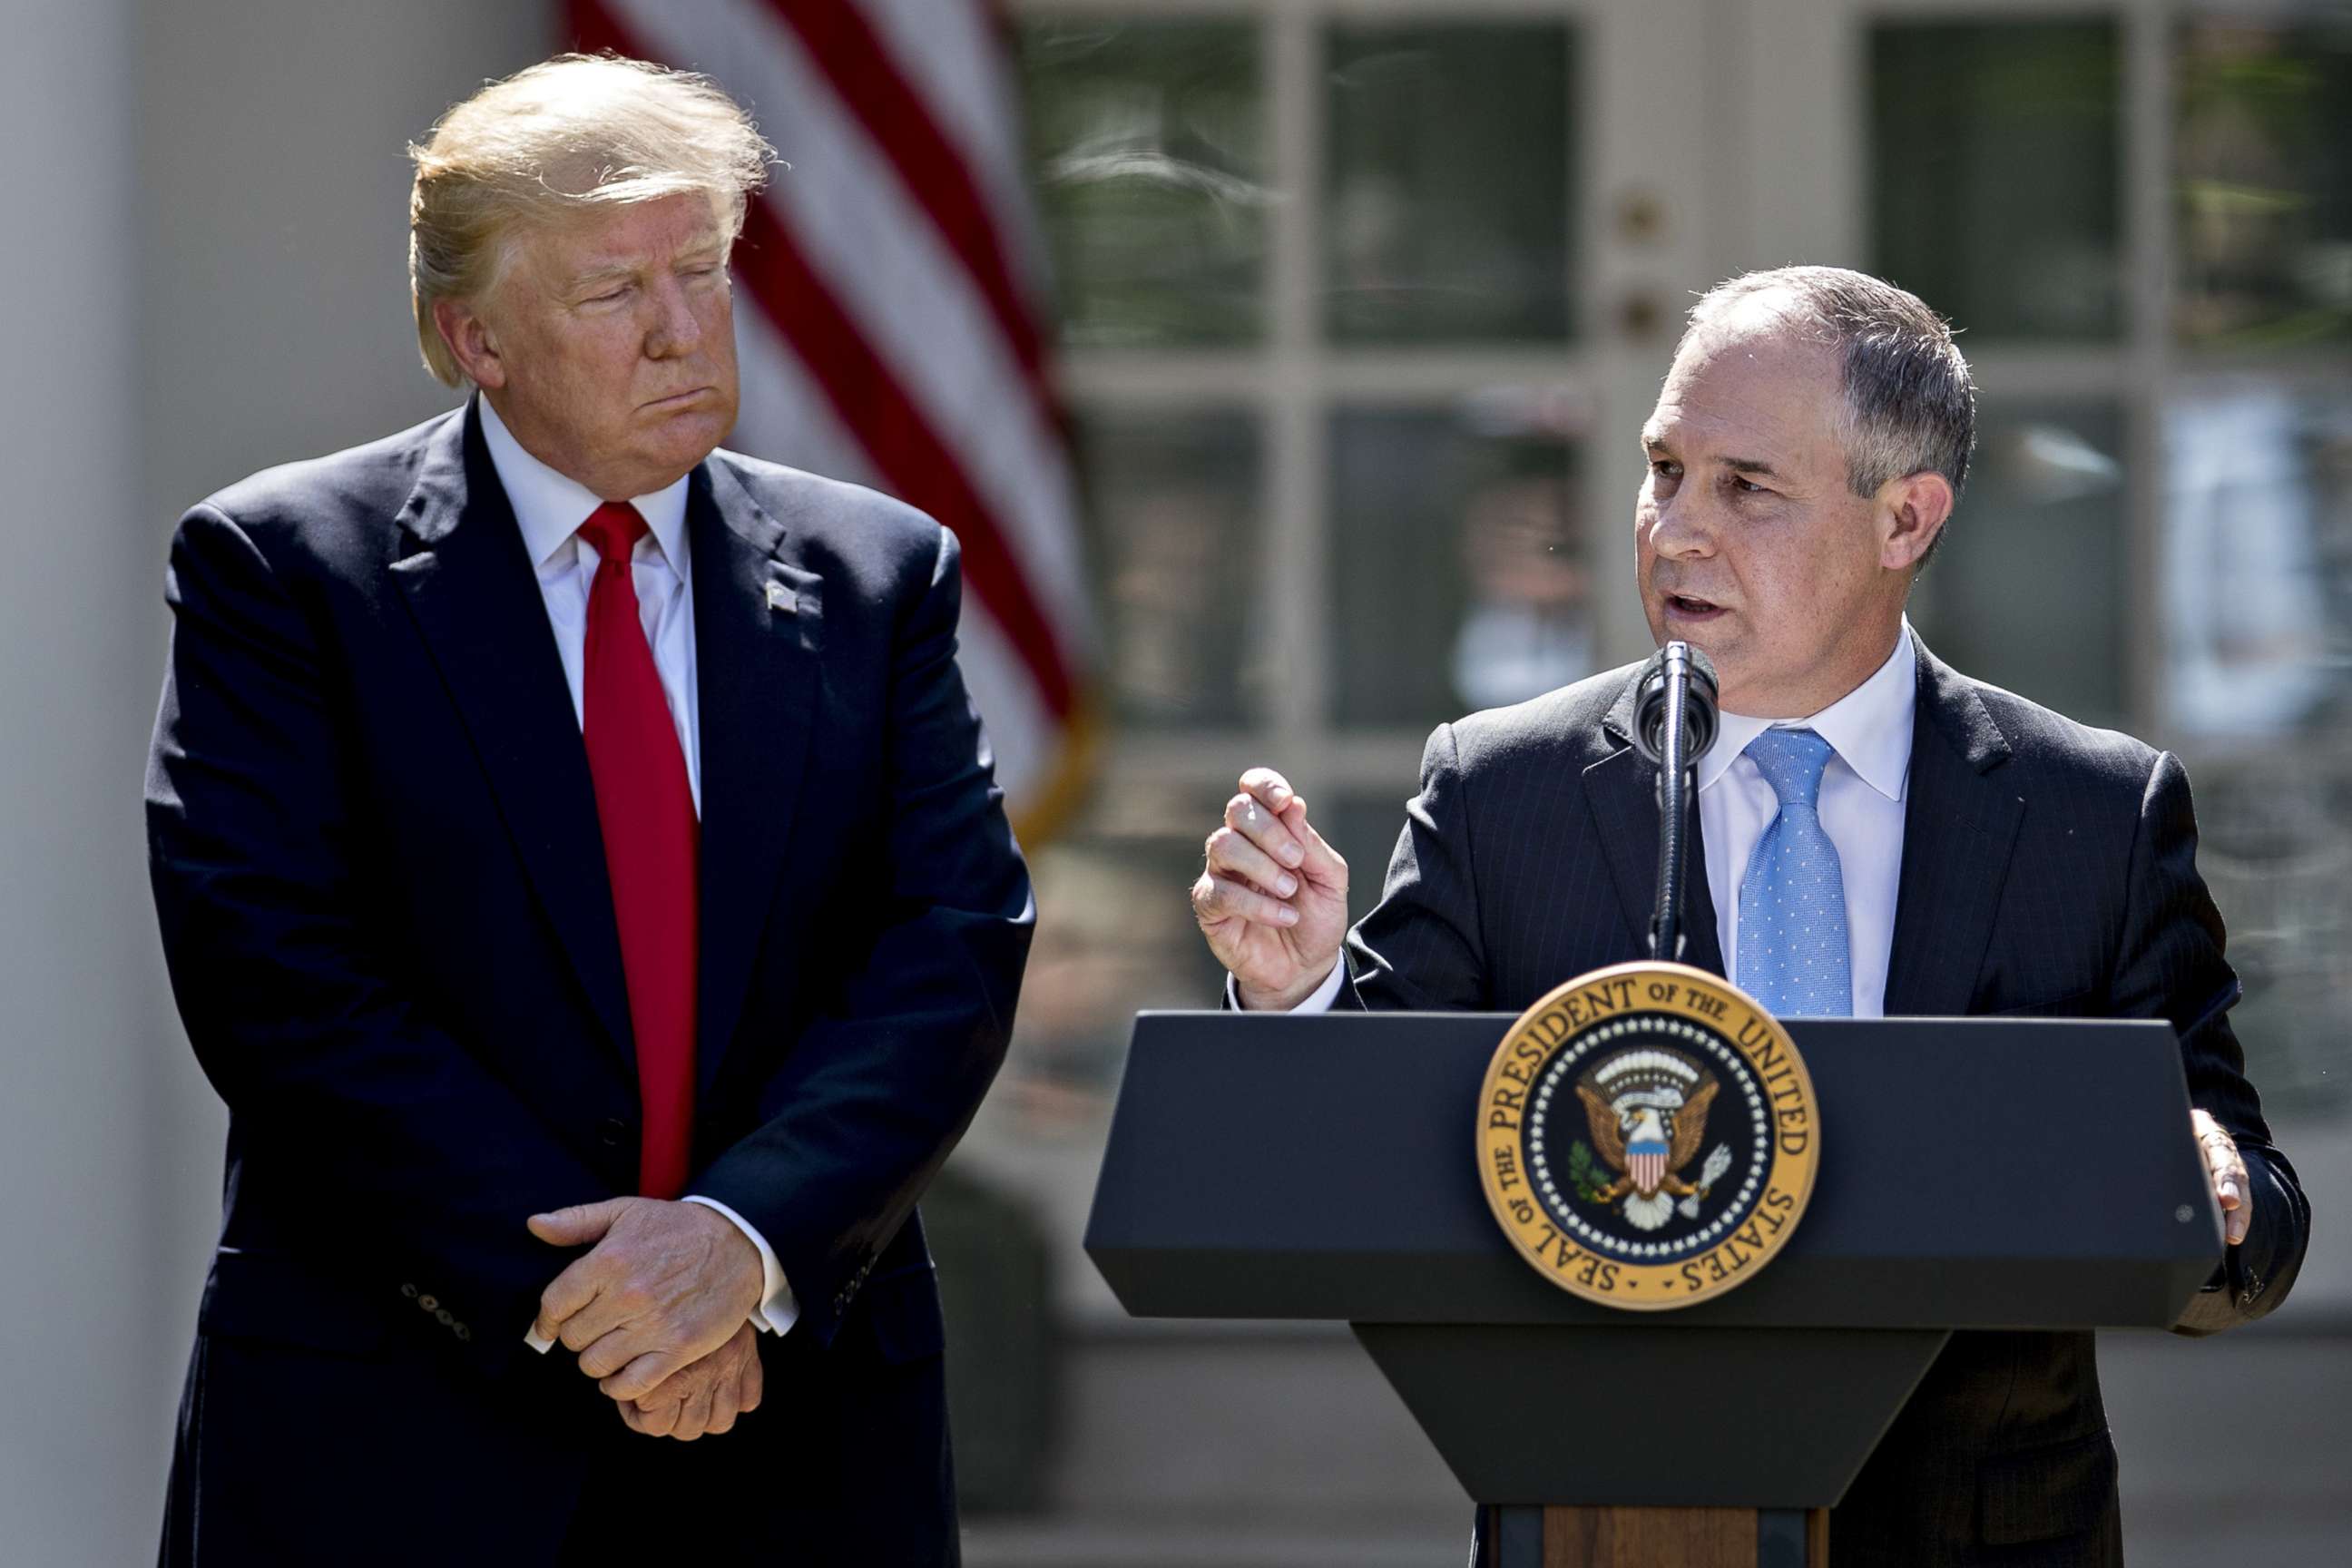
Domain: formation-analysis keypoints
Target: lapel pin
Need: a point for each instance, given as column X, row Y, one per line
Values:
column 780, row 599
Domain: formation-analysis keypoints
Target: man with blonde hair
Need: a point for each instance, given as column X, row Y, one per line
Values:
column 581, row 875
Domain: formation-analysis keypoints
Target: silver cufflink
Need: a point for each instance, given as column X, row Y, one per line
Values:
column 780, row 599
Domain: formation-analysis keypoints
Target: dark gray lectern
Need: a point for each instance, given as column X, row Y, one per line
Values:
column 1988, row 1173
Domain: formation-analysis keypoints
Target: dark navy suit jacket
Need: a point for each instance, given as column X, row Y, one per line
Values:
column 2048, row 870
column 375, row 856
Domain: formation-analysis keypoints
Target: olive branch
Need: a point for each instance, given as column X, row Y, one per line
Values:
column 1584, row 1173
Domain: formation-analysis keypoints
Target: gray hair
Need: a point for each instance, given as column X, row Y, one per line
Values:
column 1910, row 402
column 567, row 136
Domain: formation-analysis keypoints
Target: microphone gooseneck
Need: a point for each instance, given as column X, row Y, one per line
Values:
column 1674, row 725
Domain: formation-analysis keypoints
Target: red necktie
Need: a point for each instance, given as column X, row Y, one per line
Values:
column 651, row 844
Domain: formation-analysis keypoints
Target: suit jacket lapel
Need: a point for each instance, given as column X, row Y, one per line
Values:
column 1621, row 791
column 1960, row 825
column 469, row 583
column 757, row 620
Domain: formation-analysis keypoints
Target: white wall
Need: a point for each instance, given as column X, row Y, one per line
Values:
column 202, row 269
column 78, row 1382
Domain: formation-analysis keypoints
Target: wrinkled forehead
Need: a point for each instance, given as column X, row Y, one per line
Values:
column 1752, row 384
column 618, row 236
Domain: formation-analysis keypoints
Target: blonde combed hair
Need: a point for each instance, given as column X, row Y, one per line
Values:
column 554, row 141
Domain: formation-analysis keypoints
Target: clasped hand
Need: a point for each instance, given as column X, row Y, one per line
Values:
column 658, row 1310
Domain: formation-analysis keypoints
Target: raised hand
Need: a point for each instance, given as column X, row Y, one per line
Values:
column 1273, row 896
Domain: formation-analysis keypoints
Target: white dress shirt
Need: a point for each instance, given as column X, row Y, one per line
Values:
column 549, row 508
column 1861, row 806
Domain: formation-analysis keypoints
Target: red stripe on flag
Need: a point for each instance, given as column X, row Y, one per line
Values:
column 900, row 122
column 919, row 466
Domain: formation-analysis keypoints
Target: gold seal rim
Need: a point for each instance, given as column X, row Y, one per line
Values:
column 1638, row 1287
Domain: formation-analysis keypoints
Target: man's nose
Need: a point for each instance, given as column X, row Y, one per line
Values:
column 1682, row 530
column 677, row 329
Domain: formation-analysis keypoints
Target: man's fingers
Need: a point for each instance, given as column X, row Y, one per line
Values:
column 754, row 1384
column 655, row 1418
column 1236, row 858
column 609, row 1354
column 1265, row 828
column 580, row 1225
column 1270, row 788
column 726, row 1395
column 640, row 1377
column 601, row 1314
column 566, row 1295
column 1322, row 863
column 694, row 1410
column 1217, row 899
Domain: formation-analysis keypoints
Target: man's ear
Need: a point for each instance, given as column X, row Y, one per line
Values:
column 470, row 342
column 1912, row 511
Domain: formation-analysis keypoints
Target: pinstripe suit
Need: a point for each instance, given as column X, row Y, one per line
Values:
column 2048, row 868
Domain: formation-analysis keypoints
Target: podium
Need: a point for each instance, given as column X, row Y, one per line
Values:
column 1975, row 1173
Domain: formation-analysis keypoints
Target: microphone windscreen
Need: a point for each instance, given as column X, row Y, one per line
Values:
column 1703, row 671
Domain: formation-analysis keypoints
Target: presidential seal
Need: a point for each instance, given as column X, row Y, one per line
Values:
column 1647, row 1136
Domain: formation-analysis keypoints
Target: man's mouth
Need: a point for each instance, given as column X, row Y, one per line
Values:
column 1690, row 607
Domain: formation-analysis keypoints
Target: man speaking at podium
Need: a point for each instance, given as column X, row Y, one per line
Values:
column 1882, row 836
column 556, row 821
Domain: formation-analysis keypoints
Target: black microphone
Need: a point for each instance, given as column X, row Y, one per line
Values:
column 1674, row 725
column 1676, row 672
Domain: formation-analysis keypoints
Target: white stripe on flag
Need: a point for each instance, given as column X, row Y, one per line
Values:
column 909, row 294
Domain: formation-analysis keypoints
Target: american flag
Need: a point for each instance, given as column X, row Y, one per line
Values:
column 887, row 321
column 1646, row 1161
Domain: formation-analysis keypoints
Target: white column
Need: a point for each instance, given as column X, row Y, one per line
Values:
column 86, row 1384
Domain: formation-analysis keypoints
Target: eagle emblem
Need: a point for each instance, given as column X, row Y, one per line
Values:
column 1647, row 1111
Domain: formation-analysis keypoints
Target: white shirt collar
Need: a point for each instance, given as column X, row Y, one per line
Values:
column 550, row 507
column 1869, row 727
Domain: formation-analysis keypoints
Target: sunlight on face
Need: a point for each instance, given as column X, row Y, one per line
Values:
column 1750, row 541
column 611, row 344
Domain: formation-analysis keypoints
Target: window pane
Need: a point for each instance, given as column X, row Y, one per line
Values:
column 1446, row 200
column 2257, row 601
column 1146, row 141
column 2028, row 590
column 1458, row 553
column 1171, row 501
column 2265, row 182
column 2257, row 561
column 1994, row 154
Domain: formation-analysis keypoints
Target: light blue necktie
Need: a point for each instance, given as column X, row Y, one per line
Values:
column 1792, row 944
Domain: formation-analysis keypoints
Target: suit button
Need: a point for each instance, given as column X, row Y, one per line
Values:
column 445, row 1317
column 409, row 1291
column 428, row 1302
column 613, row 1132
column 461, row 1330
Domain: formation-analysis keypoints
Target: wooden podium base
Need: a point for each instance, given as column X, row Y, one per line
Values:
column 1654, row 1537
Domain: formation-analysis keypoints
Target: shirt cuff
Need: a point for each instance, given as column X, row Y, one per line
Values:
column 1320, row 1000
column 778, row 1310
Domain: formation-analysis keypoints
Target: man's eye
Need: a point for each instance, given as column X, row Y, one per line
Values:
column 1665, row 468
column 1745, row 487
column 607, row 297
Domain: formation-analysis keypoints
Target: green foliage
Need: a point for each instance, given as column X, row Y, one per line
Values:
column 1585, row 1172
